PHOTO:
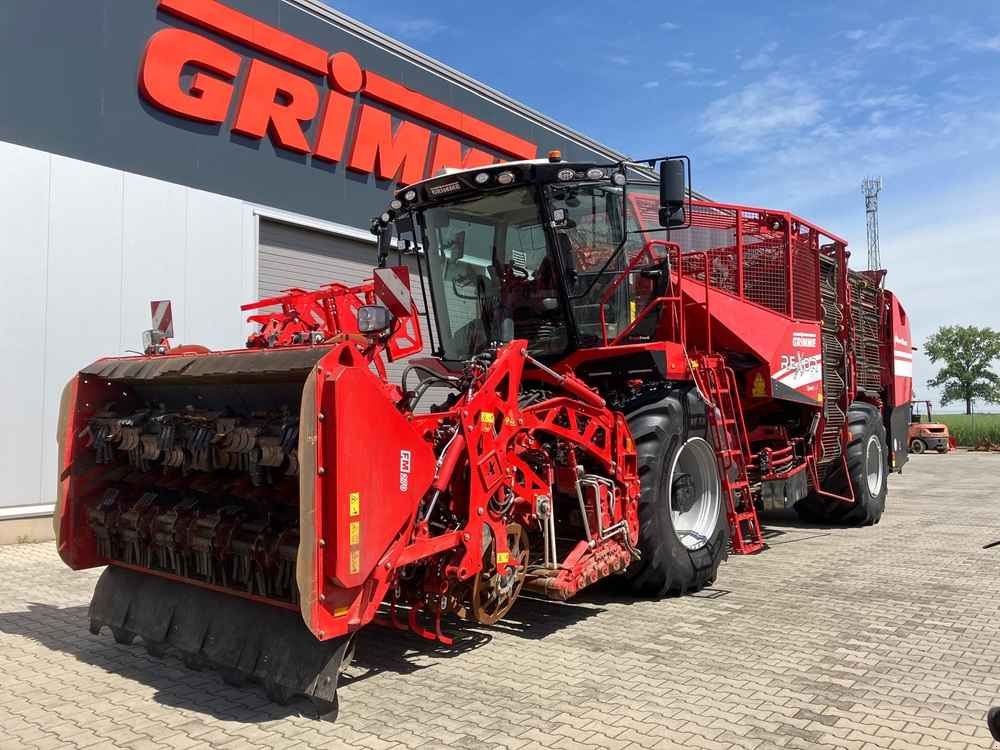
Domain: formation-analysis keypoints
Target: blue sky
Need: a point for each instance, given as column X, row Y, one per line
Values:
column 780, row 104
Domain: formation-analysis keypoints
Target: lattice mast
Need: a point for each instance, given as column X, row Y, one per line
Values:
column 870, row 188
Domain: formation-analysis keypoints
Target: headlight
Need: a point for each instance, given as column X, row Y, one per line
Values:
column 618, row 178
column 395, row 204
column 505, row 178
column 595, row 174
column 410, row 195
column 373, row 318
column 482, row 178
column 565, row 174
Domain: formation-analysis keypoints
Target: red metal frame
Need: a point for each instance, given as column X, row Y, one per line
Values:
column 373, row 471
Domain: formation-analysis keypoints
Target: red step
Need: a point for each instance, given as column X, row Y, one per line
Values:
column 732, row 448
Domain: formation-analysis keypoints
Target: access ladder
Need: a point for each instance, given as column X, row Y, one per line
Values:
column 732, row 447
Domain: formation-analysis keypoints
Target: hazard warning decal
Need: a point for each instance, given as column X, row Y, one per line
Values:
column 163, row 317
column 392, row 287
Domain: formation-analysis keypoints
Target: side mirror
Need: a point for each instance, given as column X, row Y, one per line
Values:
column 373, row 319
column 673, row 192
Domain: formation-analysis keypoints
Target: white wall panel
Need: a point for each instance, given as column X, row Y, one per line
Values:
column 83, row 250
column 83, row 287
column 154, row 240
column 214, row 270
column 24, row 228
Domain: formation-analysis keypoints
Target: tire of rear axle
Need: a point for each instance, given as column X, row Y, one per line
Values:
column 867, row 439
column 918, row 446
column 662, row 421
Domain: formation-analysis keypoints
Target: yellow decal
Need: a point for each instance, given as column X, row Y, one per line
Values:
column 631, row 311
column 355, row 532
column 503, row 558
column 341, row 611
column 355, row 560
column 759, row 387
column 486, row 417
column 355, row 503
column 510, row 421
column 819, row 397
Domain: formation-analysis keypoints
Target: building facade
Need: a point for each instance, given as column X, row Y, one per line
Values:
column 208, row 153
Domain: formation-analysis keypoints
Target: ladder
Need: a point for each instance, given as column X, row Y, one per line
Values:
column 732, row 447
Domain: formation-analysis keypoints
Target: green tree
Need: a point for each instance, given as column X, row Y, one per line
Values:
column 967, row 353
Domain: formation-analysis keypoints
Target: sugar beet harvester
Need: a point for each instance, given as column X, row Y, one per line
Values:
column 622, row 377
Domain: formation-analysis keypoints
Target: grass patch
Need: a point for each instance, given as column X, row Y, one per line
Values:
column 972, row 429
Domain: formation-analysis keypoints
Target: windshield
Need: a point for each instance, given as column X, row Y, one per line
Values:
column 588, row 239
column 491, row 275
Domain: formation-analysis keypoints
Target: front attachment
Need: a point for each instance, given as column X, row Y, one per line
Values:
column 235, row 635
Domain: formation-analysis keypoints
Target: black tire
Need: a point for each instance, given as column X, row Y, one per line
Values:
column 661, row 422
column 865, row 425
column 918, row 446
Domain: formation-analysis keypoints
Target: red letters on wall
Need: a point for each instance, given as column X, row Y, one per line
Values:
column 284, row 105
column 167, row 54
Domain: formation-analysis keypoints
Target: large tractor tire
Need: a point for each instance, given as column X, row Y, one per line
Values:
column 867, row 475
column 683, row 532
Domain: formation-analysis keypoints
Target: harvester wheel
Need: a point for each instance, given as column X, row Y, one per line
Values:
column 492, row 594
column 867, row 475
column 194, row 662
column 279, row 693
column 917, row 446
column 233, row 677
column 123, row 636
column 683, row 532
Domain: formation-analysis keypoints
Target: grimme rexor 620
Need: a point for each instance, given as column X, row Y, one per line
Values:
column 622, row 376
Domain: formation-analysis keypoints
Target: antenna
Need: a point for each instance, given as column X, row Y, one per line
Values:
column 870, row 188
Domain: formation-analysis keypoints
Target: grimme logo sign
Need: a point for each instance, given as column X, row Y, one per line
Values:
column 278, row 104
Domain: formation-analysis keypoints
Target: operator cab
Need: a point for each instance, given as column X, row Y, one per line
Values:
column 528, row 250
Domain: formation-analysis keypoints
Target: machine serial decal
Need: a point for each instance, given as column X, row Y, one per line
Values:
column 405, row 459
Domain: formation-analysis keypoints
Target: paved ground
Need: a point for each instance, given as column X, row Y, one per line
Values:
column 880, row 637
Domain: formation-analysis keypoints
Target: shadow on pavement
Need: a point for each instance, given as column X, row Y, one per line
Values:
column 380, row 649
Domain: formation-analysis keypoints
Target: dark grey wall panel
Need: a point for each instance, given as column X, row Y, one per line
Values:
column 70, row 87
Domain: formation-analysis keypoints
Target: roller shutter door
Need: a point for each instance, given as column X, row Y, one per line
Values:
column 291, row 256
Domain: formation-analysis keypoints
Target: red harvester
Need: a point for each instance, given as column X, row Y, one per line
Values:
column 622, row 377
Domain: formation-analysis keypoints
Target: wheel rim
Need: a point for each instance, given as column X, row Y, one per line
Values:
column 490, row 600
column 917, row 446
column 874, row 465
column 695, row 494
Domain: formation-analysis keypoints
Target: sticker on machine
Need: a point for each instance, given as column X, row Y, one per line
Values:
column 799, row 370
column 405, row 458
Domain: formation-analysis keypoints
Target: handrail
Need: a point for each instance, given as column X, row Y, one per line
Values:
column 680, row 317
column 647, row 249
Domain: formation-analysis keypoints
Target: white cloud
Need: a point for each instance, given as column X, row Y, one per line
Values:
column 415, row 29
column 939, row 258
column 855, row 34
column 618, row 59
column 651, row 84
column 749, row 118
column 763, row 59
column 992, row 44
column 669, row 26
column 680, row 66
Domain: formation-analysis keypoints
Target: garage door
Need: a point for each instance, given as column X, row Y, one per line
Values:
column 292, row 256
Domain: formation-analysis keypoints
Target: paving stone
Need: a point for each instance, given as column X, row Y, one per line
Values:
column 883, row 637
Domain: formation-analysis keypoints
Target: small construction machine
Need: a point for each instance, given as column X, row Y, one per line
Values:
column 924, row 434
column 621, row 377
